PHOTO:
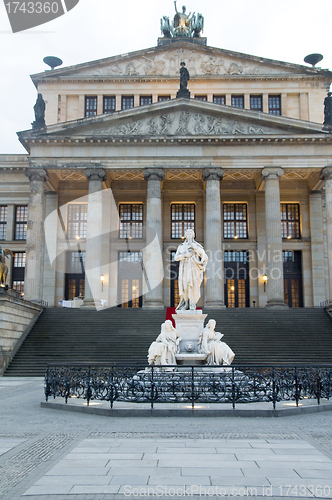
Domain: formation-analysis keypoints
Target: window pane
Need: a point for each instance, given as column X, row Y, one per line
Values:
column 183, row 218
column 90, row 106
column 3, row 222
column 219, row 99
column 201, row 97
column 231, row 293
column 275, row 104
column 77, row 221
column 21, row 221
column 131, row 221
column 256, row 102
column 144, row 100
column 127, row 102
column 238, row 101
column 19, row 259
column 290, row 220
column 109, row 104
column 164, row 98
column 235, row 220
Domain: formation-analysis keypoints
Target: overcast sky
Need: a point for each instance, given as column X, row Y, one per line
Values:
column 286, row 30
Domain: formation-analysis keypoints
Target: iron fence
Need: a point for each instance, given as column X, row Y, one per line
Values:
column 189, row 384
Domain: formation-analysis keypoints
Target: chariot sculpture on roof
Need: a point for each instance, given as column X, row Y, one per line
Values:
column 184, row 25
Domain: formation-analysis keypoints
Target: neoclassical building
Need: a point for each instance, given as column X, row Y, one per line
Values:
column 123, row 167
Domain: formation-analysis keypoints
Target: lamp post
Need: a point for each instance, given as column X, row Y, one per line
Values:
column 264, row 281
column 102, row 279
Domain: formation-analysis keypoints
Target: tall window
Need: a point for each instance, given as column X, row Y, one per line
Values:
column 290, row 220
column 275, row 104
column 109, row 104
column 131, row 221
column 219, row 99
column 127, row 102
column 183, row 218
column 76, row 220
column 235, row 220
column 237, row 101
column 21, row 222
column 145, row 99
column 201, row 97
column 90, row 106
column 256, row 102
column 75, row 263
column 18, row 272
column 163, row 98
column 3, row 222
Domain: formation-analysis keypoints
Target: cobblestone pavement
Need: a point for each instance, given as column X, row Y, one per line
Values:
column 49, row 454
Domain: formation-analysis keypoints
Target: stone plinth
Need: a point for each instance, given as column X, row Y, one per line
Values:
column 183, row 94
column 190, row 358
column 189, row 324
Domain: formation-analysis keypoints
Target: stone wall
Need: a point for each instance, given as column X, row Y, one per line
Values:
column 16, row 319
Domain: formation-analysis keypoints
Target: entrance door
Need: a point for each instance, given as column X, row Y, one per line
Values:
column 293, row 279
column 130, row 279
column 236, row 279
column 75, row 275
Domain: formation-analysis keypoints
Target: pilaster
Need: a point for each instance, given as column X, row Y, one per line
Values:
column 327, row 176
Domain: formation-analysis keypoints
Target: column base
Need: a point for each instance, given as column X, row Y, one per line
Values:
column 214, row 305
column 88, row 304
column 276, row 303
column 153, row 305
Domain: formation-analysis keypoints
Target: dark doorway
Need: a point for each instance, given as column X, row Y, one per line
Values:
column 236, row 268
column 293, row 292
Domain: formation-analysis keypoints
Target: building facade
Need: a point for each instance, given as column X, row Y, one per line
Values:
column 124, row 167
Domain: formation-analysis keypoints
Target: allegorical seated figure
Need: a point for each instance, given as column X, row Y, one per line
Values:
column 162, row 351
column 209, row 343
column 193, row 261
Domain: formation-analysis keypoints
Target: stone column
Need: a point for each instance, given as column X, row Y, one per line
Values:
column 213, row 240
column 33, row 280
column 93, row 255
column 153, row 251
column 327, row 176
column 275, row 282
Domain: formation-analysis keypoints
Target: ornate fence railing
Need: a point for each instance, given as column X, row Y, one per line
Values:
column 191, row 384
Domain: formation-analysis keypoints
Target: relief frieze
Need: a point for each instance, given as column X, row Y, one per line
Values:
column 184, row 123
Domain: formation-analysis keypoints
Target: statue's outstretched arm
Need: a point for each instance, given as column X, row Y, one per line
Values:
column 176, row 10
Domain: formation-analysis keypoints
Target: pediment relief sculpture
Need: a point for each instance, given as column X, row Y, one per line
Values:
column 167, row 63
column 184, row 123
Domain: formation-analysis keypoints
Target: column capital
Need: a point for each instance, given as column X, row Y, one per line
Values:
column 326, row 173
column 95, row 174
column 271, row 173
column 212, row 174
column 36, row 174
column 154, row 174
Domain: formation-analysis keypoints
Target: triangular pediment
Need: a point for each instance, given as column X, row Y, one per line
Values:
column 176, row 118
column 164, row 61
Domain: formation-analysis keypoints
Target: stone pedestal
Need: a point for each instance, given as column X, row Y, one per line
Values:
column 189, row 324
column 183, row 94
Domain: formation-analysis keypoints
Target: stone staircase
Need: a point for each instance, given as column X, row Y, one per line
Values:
column 290, row 336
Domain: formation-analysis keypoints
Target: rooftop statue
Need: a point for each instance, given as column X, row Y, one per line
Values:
column 193, row 261
column 184, row 76
column 328, row 112
column 184, row 25
column 39, row 109
column 4, row 253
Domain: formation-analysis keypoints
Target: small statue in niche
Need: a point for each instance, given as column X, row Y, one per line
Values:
column 39, row 109
column 328, row 112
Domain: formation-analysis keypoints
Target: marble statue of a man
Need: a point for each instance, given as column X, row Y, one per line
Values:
column 193, row 261
column 162, row 351
column 209, row 343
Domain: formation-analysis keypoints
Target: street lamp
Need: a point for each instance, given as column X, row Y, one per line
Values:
column 264, row 281
column 102, row 279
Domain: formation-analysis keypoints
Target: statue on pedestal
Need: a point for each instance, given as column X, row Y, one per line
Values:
column 39, row 109
column 193, row 261
column 209, row 343
column 3, row 266
column 328, row 112
column 163, row 350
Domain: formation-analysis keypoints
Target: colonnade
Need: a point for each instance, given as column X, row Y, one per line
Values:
column 214, row 280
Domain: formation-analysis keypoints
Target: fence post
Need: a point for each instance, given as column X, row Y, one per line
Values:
column 112, row 389
column 233, row 388
column 88, row 394
column 318, row 385
column 297, row 398
column 274, row 392
column 47, row 383
column 67, row 383
column 192, row 388
column 152, row 388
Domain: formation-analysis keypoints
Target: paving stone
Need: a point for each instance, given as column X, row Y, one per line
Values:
column 85, row 471
column 217, row 471
column 101, row 489
column 240, row 481
column 130, row 479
